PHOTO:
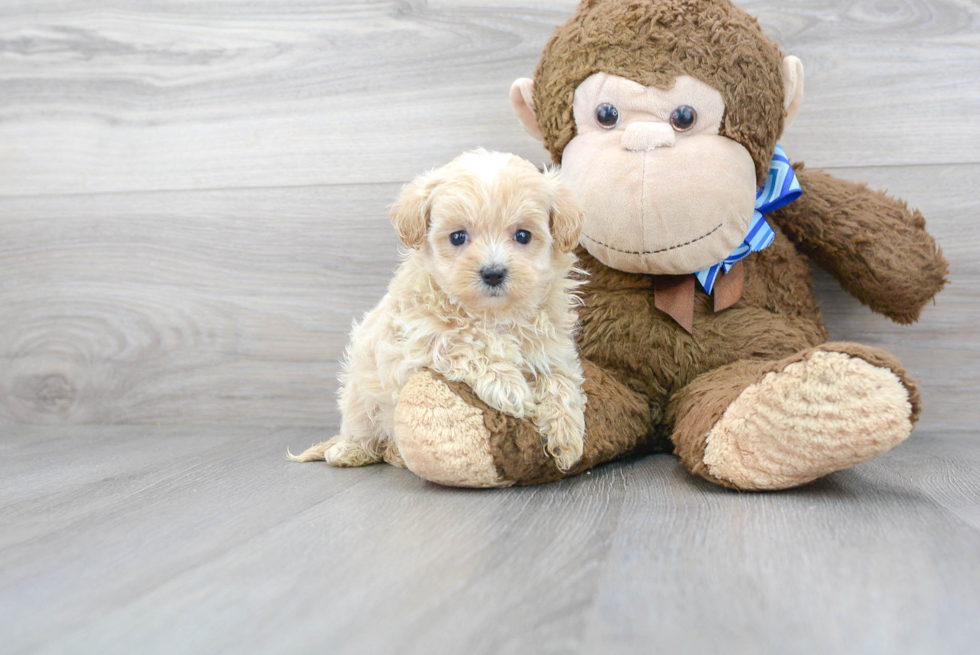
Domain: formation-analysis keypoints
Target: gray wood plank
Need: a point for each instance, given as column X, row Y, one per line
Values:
column 201, row 307
column 71, row 553
column 943, row 466
column 227, row 547
column 102, row 97
column 235, row 305
column 101, row 563
column 849, row 564
column 241, row 156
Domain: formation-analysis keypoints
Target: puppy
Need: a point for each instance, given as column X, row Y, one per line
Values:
column 483, row 296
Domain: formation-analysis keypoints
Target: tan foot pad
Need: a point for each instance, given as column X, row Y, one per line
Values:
column 441, row 438
column 824, row 414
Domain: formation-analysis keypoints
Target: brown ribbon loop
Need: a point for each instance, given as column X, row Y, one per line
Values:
column 674, row 294
column 728, row 287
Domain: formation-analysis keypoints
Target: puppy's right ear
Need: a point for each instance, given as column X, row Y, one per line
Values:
column 410, row 213
column 566, row 215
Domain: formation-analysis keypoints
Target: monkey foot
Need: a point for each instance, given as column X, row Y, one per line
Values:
column 441, row 437
column 826, row 412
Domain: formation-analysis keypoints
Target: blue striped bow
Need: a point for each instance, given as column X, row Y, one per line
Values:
column 780, row 189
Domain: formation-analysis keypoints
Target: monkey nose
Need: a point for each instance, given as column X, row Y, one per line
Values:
column 647, row 136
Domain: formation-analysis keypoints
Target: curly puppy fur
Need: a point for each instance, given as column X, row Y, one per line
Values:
column 511, row 342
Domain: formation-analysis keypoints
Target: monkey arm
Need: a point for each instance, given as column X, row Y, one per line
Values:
column 877, row 249
column 446, row 434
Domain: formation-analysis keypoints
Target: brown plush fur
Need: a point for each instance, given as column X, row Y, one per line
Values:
column 619, row 418
column 841, row 226
column 699, row 406
column 646, row 373
column 655, row 42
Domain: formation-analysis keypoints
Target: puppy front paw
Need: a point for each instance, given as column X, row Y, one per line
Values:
column 564, row 432
column 507, row 392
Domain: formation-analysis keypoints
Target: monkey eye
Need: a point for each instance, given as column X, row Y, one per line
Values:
column 522, row 236
column 607, row 116
column 458, row 238
column 683, row 118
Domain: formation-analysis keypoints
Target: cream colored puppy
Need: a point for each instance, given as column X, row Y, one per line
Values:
column 483, row 297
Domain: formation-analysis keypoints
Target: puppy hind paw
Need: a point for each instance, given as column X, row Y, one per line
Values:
column 392, row 456
column 337, row 452
column 348, row 454
column 311, row 454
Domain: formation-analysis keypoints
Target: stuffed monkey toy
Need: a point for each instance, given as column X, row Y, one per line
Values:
column 700, row 333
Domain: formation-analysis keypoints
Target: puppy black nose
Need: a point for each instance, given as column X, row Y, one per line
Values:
column 494, row 277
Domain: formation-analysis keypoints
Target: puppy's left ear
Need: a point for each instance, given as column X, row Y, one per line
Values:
column 410, row 213
column 566, row 215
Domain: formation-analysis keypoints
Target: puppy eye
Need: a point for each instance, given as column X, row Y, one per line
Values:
column 683, row 118
column 607, row 116
column 522, row 236
column 458, row 238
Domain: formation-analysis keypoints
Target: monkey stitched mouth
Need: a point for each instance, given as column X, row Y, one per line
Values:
column 654, row 252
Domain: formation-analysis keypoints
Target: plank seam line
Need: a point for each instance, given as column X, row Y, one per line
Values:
column 329, row 185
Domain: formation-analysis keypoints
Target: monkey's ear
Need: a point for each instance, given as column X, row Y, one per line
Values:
column 410, row 213
column 793, row 87
column 522, row 98
column 566, row 215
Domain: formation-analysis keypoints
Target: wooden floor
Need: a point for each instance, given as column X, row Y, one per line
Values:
column 206, row 540
column 192, row 211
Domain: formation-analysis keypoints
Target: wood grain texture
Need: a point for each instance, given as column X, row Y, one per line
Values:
column 192, row 211
column 288, row 127
column 206, row 540
column 234, row 305
column 195, row 307
column 169, row 95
